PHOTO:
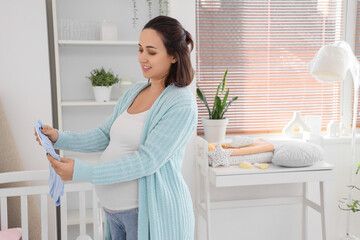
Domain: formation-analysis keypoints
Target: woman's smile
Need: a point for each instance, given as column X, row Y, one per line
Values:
column 145, row 68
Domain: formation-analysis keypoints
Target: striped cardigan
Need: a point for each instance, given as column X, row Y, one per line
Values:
column 165, row 206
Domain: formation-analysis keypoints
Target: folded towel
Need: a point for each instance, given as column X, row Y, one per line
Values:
column 259, row 146
column 56, row 185
column 265, row 157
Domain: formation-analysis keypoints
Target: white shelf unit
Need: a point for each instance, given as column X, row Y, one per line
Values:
column 75, row 59
column 86, row 103
column 74, row 218
column 96, row 43
column 91, row 158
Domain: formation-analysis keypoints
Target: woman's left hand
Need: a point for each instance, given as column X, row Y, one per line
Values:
column 64, row 169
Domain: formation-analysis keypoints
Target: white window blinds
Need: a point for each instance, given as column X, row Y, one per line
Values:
column 357, row 50
column 267, row 46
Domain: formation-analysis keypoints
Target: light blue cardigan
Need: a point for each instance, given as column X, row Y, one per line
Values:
column 165, row 206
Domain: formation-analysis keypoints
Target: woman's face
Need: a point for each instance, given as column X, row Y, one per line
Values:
column 153, row 58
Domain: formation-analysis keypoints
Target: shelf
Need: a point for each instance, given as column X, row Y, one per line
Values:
column 96, row 43
column 74, row 217
column 91, row 158
column 87, row 103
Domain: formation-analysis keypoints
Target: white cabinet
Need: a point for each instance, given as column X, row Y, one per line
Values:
column 78, row 50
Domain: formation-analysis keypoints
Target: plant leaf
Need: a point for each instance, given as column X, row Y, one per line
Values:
column 218, row 109
column 228, row 105
column 224, row 100
column 100, row 77
column 217, row 91
column 224, row 81
column 202, row 97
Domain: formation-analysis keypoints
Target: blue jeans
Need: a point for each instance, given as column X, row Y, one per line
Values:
column 123, row 224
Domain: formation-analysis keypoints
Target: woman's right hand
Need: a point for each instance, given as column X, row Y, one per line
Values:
column 48, row 131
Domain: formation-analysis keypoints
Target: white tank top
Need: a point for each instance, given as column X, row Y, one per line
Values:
column 125, row 134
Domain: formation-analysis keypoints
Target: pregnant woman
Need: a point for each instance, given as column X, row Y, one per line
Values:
column 138, row 178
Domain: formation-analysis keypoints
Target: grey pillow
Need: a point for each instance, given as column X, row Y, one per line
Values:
column 297, row 154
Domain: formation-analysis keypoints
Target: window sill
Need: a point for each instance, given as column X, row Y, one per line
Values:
column 280, row 138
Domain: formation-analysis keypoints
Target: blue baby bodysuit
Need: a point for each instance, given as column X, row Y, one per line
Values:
column 56, row 185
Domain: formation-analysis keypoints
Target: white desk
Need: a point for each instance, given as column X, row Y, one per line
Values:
column 235, row 176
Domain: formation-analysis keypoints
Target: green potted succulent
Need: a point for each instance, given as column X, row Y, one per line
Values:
column 102, row 82
column 215, row 124
column 352, row 205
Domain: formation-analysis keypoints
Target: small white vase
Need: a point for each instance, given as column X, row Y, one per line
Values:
column 102, row 94
column 296, row 121
column 108, row 31
column 333, row 129
column 215, row 129
column 125, row 84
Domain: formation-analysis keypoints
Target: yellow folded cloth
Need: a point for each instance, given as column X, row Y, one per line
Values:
column 246, row 165
column 261, row 165
column 259, row 146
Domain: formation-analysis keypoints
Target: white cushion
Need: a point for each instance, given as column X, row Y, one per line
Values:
column 297, row 154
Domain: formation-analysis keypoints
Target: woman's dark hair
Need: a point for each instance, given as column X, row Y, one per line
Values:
column 176, row 40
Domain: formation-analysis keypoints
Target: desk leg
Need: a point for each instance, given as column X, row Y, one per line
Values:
column 323, row 212
column 207, row 207
column 304, row 212
column 202, row 186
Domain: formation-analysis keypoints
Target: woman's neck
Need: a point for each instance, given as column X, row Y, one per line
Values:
column 157, row 86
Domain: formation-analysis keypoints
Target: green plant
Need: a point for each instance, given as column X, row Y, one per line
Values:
column 149, row 8
column 100, row 77
column 163, row 9
column 354, row 205
column 135, row 10
column 219, row 107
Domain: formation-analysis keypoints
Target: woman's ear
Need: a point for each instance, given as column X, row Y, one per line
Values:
column 173, row 60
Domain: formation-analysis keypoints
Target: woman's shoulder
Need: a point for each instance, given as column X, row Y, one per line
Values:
column 181, row 96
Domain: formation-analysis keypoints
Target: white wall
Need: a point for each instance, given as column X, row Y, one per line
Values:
column 24, row 75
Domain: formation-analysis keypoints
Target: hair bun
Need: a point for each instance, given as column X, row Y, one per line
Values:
column 188, row 39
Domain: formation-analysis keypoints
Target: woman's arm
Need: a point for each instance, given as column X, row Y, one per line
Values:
column 94, row 140
column 172, row 132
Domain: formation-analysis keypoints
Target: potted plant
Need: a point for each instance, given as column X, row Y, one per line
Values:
column 215, row 124
column 349, row 204
column 352, row 205
column 102, row 82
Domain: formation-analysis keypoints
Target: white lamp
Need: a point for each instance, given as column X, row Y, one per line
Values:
column 330, row 64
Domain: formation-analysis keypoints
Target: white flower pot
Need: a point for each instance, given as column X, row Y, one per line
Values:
column 125, row 84
column 102, row 94
column 215, row 129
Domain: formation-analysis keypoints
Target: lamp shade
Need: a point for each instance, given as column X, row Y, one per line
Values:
column 331, row 63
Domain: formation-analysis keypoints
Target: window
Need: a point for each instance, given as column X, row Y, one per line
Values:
column 267, row 46
column 357, row 50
